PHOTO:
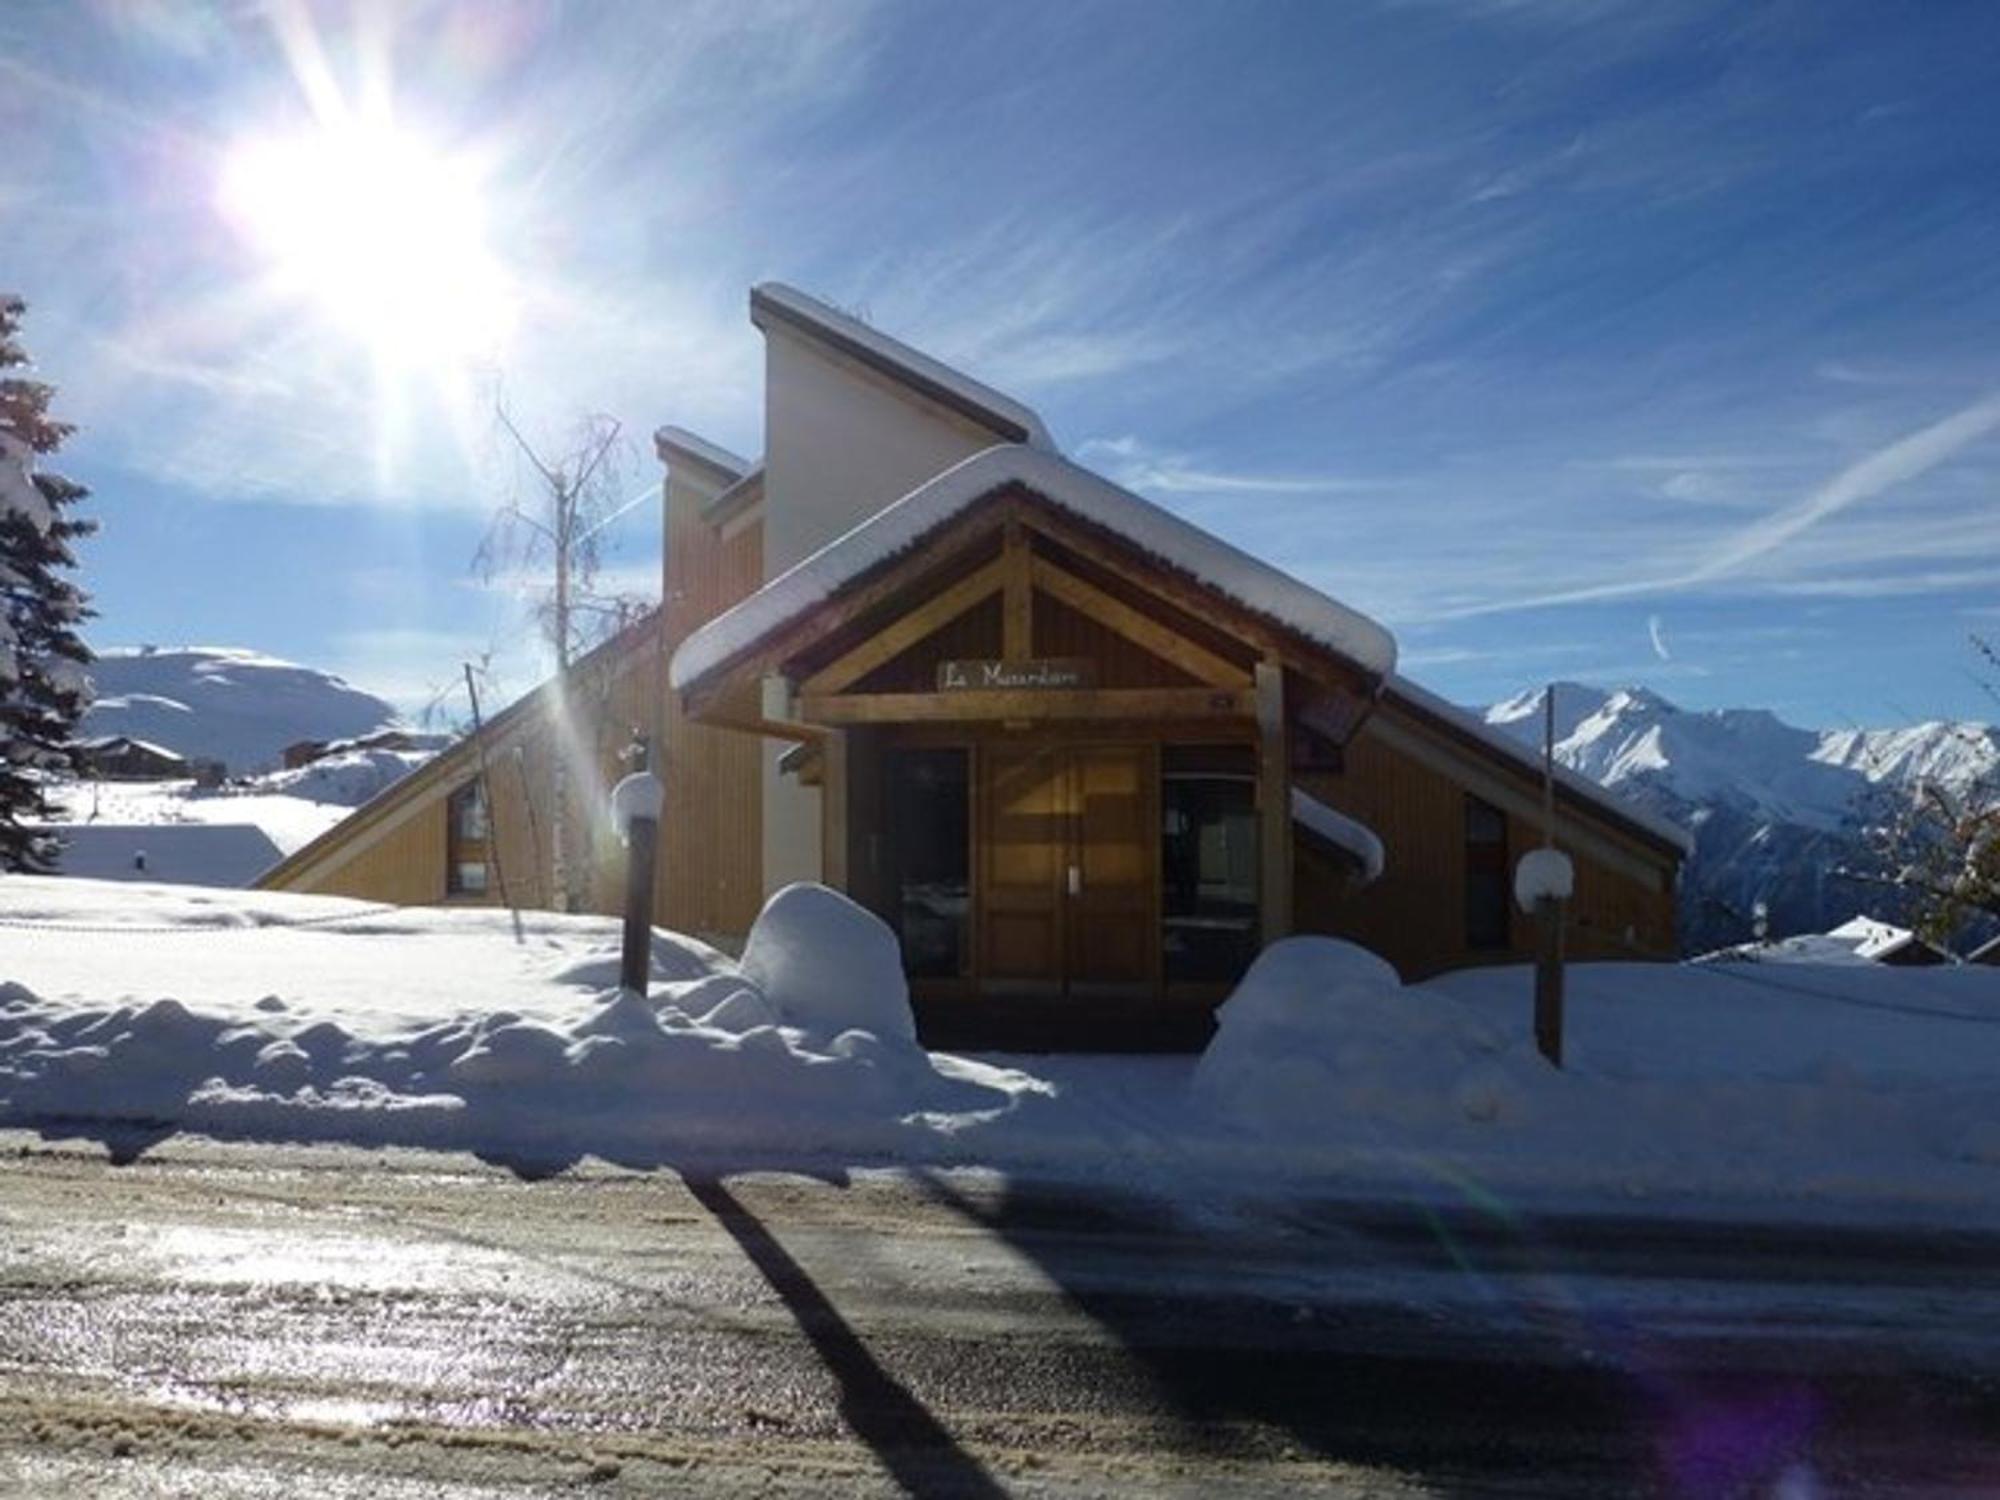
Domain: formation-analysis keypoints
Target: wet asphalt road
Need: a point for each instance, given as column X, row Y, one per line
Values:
column 259, row 1321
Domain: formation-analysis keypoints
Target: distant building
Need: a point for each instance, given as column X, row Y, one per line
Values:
column 1885, row 943
column 305, row 752
column 119, row 757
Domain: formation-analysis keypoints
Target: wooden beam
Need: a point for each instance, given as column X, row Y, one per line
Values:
column 1017, row 635
column 1274, row 804
column 1197, row 599
column 893, row 640
column 1139, row 628
column 833, row 811
column 860, row 598
column 1028, row 705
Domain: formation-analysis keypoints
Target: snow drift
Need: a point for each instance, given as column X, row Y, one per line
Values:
column 1792, row 1082
column 316, row 1018
column 1765, row 1088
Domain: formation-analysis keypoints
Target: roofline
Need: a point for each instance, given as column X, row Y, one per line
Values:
column 1426, row 704
column 724, row 500
column 929, row 377
column 671, row 443
column 442, row 765
column 943, row 498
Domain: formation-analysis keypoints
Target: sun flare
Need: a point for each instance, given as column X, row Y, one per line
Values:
column 382, row 235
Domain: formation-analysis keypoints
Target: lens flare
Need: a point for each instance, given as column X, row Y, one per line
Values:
column 381, row 235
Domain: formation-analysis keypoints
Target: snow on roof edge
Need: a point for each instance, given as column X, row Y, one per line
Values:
column 893, row 351
column 729, row 494
column 713, row 454
column 1471, row 724
column 1337, row 828
column 1253, row 583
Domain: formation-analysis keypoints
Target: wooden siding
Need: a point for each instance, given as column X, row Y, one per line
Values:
column 710, row 870
column 1414, row 916
column 401, row 857
column 1121, row 663
column 974, row 634
column 712, row 835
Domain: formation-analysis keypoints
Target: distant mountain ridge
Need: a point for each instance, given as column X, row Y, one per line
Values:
column 224, row 703
column 1777, row 812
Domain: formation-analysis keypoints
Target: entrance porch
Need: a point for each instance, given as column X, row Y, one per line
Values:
column 1059, row 770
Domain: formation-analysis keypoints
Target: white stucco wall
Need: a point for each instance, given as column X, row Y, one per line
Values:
column 841, row 442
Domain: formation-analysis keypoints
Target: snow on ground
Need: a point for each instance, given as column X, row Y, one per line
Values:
column 320, row 1018
column 1857, row 1083
column 1791, row 1090
column 224, row 836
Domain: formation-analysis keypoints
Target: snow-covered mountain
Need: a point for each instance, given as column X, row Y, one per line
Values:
column 223, row 703
column 241, row 708
column 1777, row 811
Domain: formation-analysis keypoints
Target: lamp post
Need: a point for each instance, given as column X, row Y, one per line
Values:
column 636, row 803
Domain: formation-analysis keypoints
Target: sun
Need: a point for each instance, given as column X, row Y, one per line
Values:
column 382, row 235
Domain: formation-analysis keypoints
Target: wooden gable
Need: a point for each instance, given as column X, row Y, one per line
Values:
column 1073, row 623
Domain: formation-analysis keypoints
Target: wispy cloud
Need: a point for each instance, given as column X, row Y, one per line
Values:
column 1657, row 636
column 1138, row 465
column 1899, row 462
column 1876, row 473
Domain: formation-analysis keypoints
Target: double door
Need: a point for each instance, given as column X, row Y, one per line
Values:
column 1069, row 869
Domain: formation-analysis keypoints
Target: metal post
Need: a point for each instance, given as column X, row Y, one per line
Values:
column 637, row 802
column 1549, row 980
column 635, row 957
column 1549, row 909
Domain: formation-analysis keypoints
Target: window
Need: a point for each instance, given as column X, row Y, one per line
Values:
column 929, row 858
column 465, row 842
column 1208, row 861
column 1486, row 913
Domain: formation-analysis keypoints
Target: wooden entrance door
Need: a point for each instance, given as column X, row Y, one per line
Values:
column 1068, row 864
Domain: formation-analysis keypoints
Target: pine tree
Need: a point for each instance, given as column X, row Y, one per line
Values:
column 43, row 686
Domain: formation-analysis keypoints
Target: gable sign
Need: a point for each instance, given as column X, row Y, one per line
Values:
column 1051, row 673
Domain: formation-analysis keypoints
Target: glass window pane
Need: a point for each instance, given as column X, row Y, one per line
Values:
column 929, row 858
column 1208, row 861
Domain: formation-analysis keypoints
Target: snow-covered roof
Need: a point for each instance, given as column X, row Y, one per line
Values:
column 713, row 454
column 1090, row 497
column 1010, row 418
column 105, row 742
column 1343, row 832
column 1872, row 939
column 1505, row 745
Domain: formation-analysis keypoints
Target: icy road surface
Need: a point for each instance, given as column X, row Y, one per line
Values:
column 259, row 1321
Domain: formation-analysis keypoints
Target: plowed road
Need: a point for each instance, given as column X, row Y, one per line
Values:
column 259, row 1321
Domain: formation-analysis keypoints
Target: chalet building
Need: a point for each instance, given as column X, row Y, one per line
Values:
column 1885, row 943
column 1083, row 756
column 119, row 757
column 302, row 753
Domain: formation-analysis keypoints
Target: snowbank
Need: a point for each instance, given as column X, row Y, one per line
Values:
column 316, row 1018
column 1806, row 1083
column 1767, row 1089
column 826, row 964
column 1322, row 1032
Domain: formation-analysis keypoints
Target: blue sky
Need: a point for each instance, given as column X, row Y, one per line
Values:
column 1645, row 342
